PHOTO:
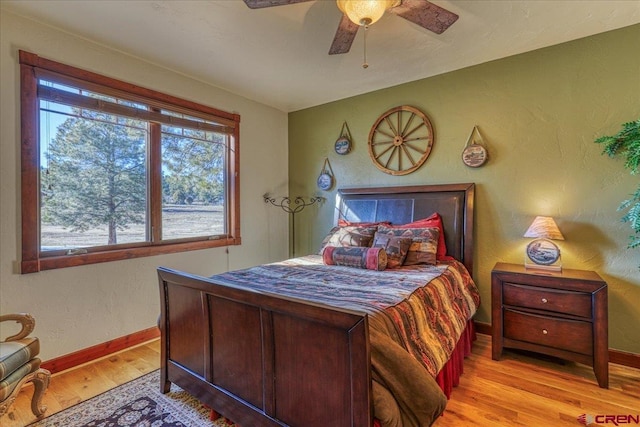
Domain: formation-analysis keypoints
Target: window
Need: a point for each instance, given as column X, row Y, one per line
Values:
column 114, row 171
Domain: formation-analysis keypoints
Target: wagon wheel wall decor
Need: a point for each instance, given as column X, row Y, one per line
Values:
column 400, row 140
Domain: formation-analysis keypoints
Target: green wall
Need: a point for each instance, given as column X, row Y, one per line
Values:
column 539, row 113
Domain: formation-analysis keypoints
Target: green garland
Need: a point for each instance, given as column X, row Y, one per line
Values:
column 626, row 144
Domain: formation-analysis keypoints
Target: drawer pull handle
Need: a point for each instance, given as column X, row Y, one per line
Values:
column 545, row 332
column 544, row 300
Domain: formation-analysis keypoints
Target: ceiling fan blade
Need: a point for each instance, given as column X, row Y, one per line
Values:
column 259, row 4
column 425, row 14
column 345, row 34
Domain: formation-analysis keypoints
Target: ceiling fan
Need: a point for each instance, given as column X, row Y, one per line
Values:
column 357, row 13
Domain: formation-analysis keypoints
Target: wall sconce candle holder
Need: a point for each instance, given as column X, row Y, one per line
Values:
column 298, row 204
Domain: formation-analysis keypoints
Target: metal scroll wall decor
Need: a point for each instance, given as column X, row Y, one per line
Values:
column 292, row 208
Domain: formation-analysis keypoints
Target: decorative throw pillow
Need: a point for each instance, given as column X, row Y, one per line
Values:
column 434, row 220
column 325, row 241
column 395, row 247
column 424, row 243
column 355, row 256
column 349, row 236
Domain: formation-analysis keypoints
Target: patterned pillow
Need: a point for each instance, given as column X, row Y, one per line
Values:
column 355, row 256
column 434, row 220
column 395, row 247
column 424, row 243
column 349, row 236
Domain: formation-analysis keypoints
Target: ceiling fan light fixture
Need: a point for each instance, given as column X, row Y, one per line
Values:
column 365, row 12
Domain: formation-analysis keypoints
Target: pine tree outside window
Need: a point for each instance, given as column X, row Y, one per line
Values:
column 114, row 171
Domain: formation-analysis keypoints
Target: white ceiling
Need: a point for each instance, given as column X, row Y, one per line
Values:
column 279, row 55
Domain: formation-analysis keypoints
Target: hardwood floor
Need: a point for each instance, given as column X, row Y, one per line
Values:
column 519, row 390
column 83, row 382
column 526, row 390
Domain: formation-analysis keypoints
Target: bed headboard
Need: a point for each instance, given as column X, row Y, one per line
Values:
column 400, row 205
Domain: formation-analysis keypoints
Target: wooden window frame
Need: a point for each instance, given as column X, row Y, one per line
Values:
column 33, row 260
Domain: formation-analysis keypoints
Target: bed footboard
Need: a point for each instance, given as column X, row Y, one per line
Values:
column 264, row 360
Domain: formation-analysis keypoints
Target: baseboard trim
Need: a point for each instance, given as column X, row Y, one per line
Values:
column 90, row 354
column 624, row 358
column 482, row 328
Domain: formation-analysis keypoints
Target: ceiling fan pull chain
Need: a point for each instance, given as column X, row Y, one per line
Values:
column 364, row 64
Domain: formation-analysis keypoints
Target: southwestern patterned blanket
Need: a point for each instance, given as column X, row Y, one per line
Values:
column 416, row 316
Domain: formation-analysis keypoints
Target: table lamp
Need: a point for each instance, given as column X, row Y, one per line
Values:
column 542, row 253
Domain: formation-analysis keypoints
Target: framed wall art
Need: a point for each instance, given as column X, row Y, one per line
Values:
column 475, row 153
column 325, row 179
column 343, row 143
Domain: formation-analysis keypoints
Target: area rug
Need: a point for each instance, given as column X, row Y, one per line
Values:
column 138, row 403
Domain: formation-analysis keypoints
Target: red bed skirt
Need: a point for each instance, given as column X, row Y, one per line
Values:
column 449, row 375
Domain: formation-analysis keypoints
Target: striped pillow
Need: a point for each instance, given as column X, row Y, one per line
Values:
column 355, row 256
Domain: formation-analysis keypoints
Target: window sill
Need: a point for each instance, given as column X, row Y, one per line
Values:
column 63, row 261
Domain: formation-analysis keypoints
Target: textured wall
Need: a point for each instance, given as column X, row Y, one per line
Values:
column 80, row 307
column 539, row 113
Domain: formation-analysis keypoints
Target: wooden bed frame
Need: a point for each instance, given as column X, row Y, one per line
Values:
column 240, row 351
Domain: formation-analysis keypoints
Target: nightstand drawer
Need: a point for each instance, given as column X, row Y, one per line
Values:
column 571, row 335
column 568, row 302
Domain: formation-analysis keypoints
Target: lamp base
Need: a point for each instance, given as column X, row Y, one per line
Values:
column 543, row 254
column 532, row 266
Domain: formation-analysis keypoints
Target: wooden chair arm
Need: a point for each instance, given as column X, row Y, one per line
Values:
column 27, row 321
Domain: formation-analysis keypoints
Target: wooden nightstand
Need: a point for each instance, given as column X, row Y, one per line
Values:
column 562, row 314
